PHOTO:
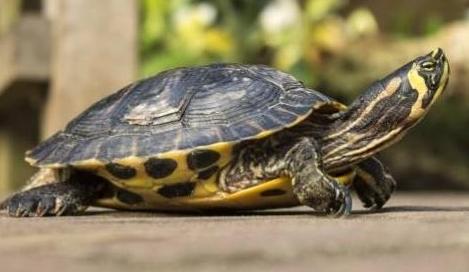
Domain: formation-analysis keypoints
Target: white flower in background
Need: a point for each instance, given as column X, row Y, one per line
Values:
column 361, row 22
column 197, row 31
column 281, row 24
column 279, row 15
column 202, row 14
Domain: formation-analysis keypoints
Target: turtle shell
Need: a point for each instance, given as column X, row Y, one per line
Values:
column 181, row 109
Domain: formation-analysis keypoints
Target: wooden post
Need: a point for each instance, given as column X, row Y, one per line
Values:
column 94, row 53
column 9, row 10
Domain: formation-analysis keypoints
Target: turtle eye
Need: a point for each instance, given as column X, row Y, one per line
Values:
column 428, row 66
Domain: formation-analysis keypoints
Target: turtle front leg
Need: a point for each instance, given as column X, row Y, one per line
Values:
column 69, row 197
column 312, row 186
column 373, row 183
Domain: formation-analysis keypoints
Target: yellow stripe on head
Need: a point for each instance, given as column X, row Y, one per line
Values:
column 417, row 82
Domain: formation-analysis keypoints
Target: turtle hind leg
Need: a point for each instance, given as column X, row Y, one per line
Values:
column 69, row 197
column 373, row 183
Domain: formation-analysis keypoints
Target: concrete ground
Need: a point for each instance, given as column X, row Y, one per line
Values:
column 415, row 232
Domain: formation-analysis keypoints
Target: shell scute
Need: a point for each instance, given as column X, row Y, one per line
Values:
column 181, row 109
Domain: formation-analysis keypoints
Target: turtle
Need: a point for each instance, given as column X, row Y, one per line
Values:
column 229, row 137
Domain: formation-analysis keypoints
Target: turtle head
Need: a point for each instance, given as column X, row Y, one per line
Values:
column 423, row 81
column 386, row 110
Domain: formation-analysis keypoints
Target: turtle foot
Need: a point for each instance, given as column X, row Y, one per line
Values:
column 43, row 201
column 70, row 197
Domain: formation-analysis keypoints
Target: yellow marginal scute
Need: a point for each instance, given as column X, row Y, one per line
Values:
column 264, row 134
column 181, row 174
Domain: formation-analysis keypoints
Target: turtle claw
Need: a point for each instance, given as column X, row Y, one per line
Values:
column 374, row 196
column 63, row 208
column 25, row 205
column 34, row 204
column 21, row 205
column 375, row 187
column 41, row 210
column 21, row 211
column 347, row 203
column 342, row 205
column 60, row 210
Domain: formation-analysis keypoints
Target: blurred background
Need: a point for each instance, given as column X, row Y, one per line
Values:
column 59, row 56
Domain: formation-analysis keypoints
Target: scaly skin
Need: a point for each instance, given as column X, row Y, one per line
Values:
column 70, row 197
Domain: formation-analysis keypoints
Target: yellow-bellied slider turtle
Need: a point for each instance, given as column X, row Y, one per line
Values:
column 228, row 136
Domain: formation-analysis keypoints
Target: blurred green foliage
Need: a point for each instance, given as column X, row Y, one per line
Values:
column 290, row 35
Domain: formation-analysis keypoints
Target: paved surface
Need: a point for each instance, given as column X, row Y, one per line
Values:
column 415, row 232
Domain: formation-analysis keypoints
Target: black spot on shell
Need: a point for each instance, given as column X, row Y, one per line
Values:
column 202, row 158
column 177, row 190
column 128, row 197
column 121, row 171
column 273, row 192
column 160, row 168
column 206, row 174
